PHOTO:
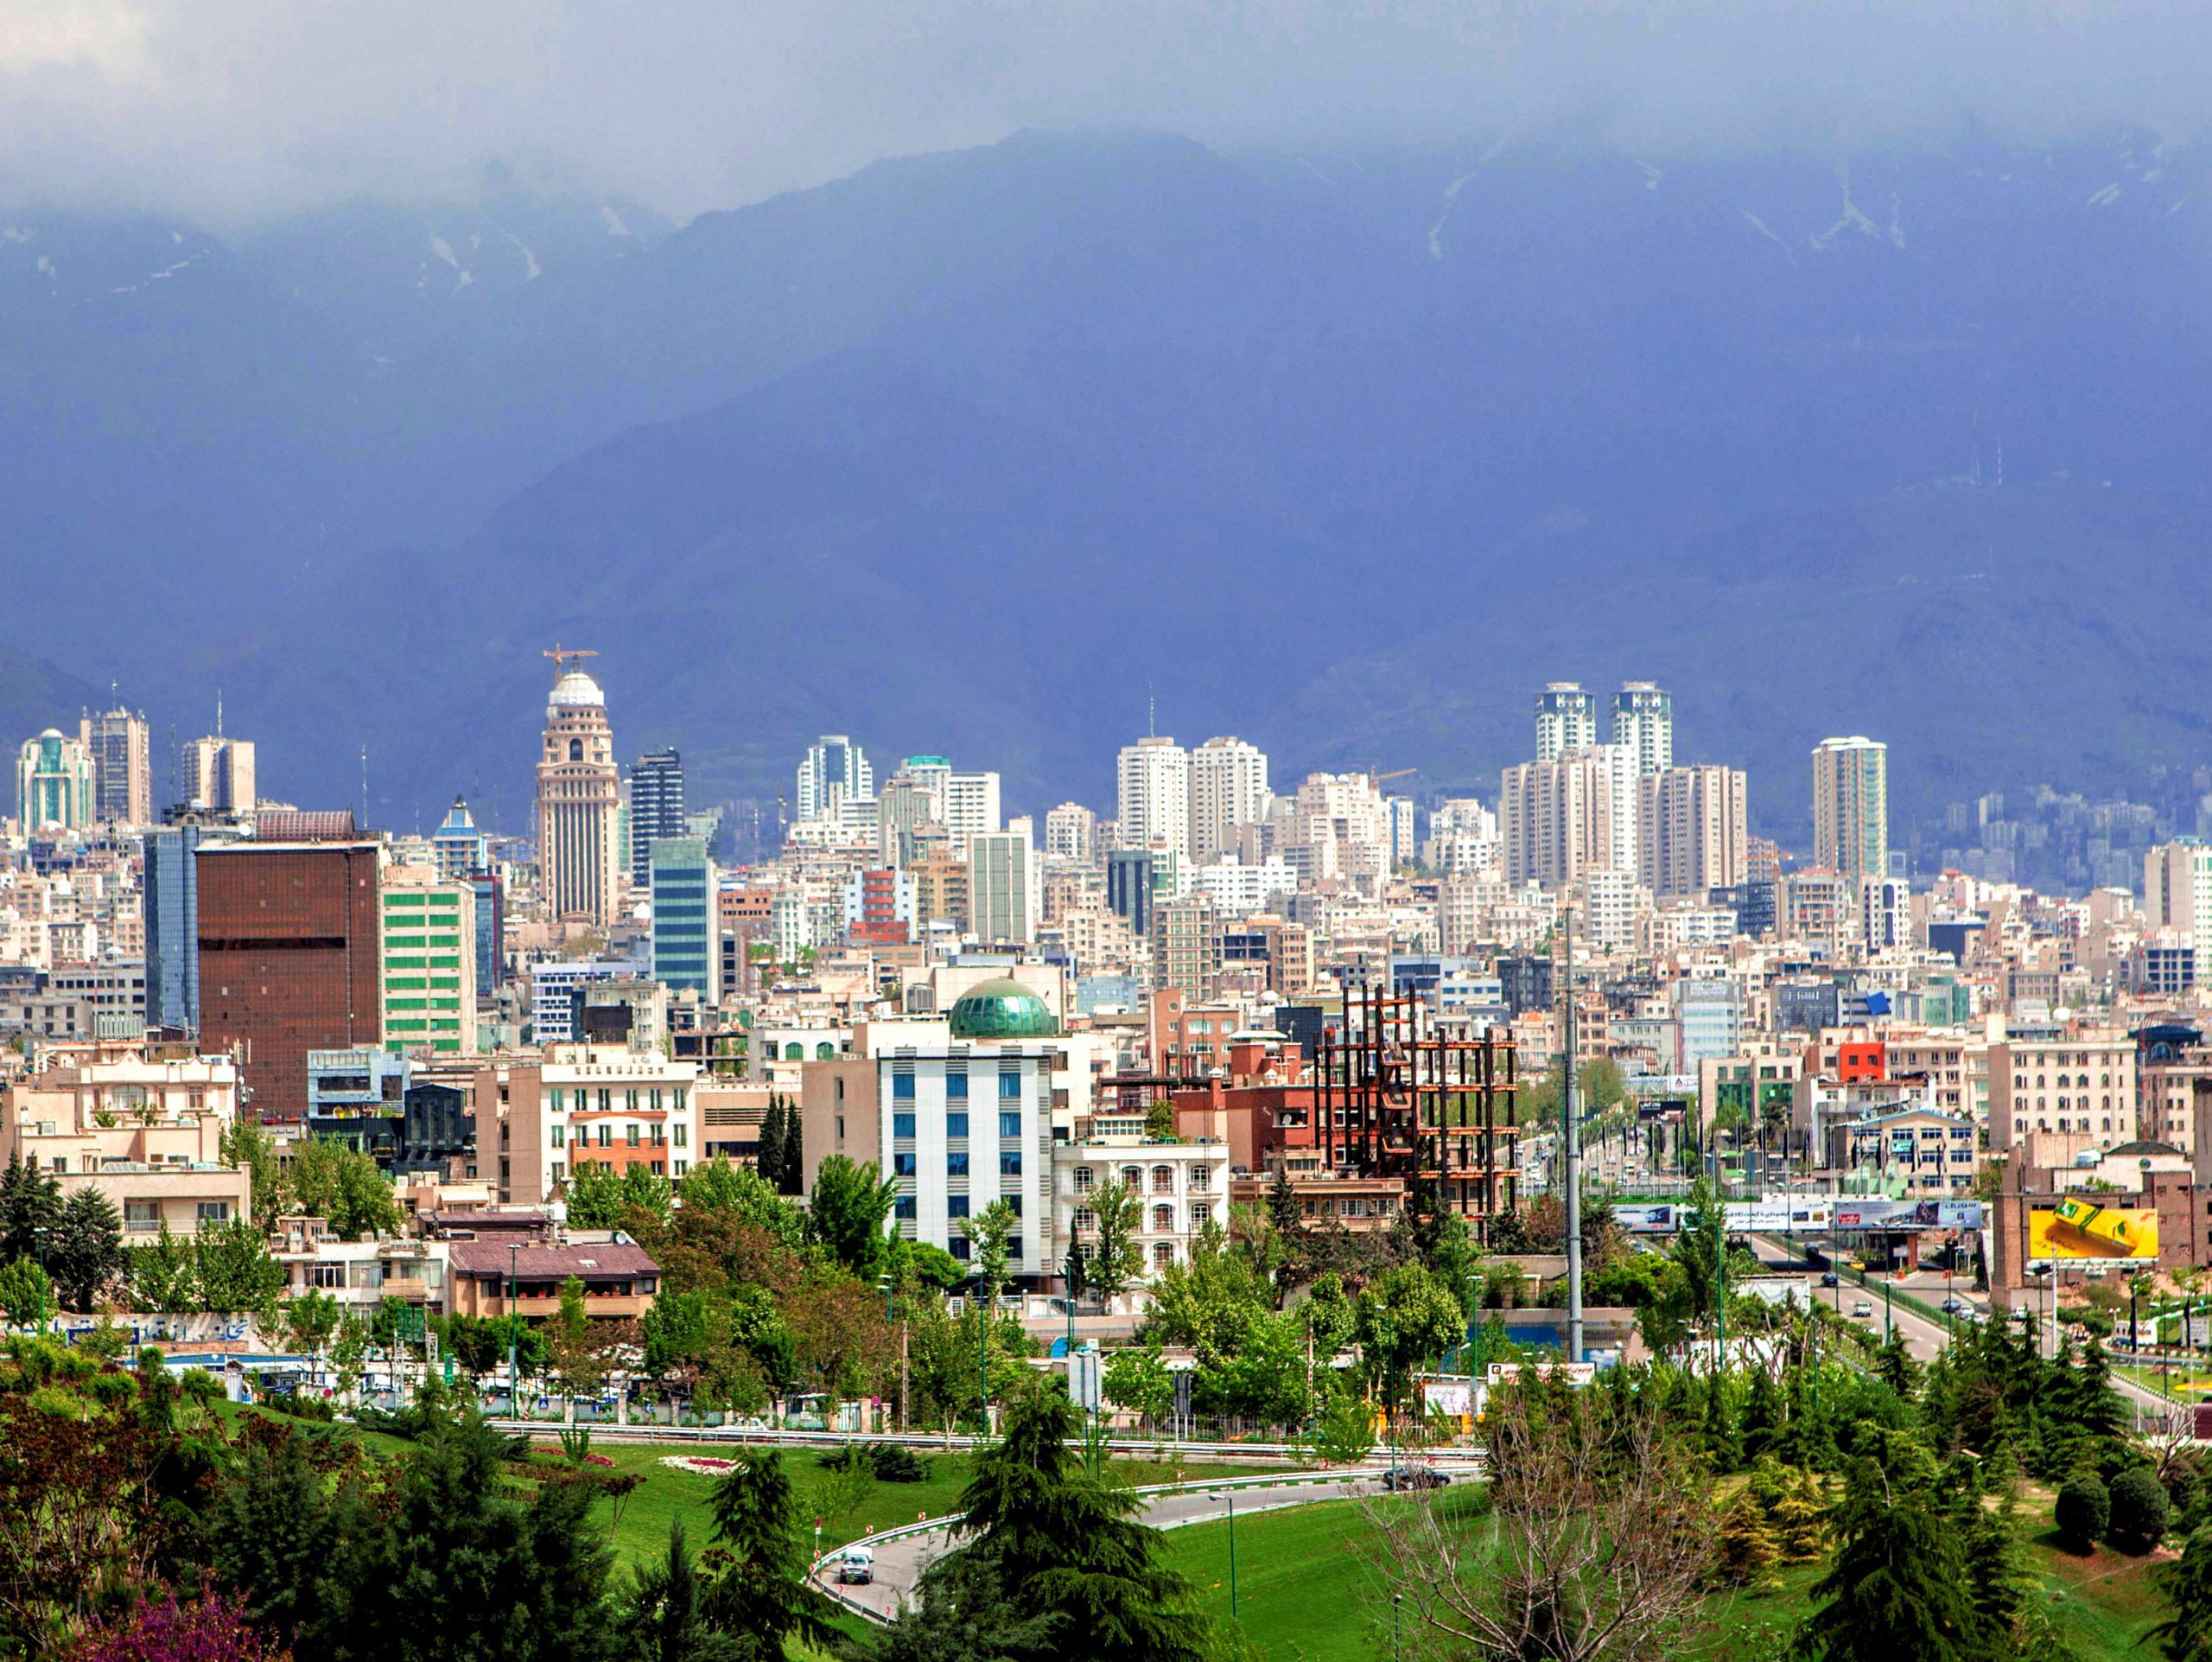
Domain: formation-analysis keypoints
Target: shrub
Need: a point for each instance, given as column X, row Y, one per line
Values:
column 2084, row 1511
column 210, row 1631
column 895, row 1464
column 2139, row 1512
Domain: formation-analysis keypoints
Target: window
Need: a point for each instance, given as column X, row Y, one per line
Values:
column 902, row 1087
column 825, row 1052
column 606, row 1136
column 213, row 1212
column 1201, row 1178
column 142, row 1214
column 1012, row 1203
column 1132, row 1178
column 330, row 1274
column 1163, row 1220
column 1085, row 1218
column 682, row 1166
column 902, row 1125
column 959, row 1246
column 682, row 1137
column 630, row 1102
column 955, row 1085
column 956, row 1163
column 1083, row 1179
column 1009, row 1087
column 1163, row 1180
column 1163, row 1255
column 1201, row 1213
column 956, row 1206
column 560, row 1136
column 630, row 1134
column 903, row 1206
column 956, row 1124
column 1010, row 1162
column 1014, row 1247
column 554, row 1099
column 902, row 1165
column 1010, row 1124
column 794, row 1053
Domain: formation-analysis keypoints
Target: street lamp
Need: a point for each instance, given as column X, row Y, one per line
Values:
column 45, row 1286
column 1396, row 1601
column 514, row 1329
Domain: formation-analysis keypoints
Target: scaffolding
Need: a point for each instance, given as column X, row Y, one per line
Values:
column 1398, row 1094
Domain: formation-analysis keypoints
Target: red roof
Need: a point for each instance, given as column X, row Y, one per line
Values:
column 601, row 1261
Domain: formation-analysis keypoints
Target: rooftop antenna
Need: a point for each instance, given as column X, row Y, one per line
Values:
column 218, row 712
column 1151, row 713
column 365, row 786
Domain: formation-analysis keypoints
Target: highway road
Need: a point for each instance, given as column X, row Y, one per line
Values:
column 901, row 1560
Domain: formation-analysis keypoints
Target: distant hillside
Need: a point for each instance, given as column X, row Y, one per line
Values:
column 1345, row 454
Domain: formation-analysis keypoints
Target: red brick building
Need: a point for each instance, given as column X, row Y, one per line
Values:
column 289, row 960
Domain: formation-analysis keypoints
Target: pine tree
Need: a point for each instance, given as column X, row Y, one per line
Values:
column 1898, row 1586
column 1761, row 1415
column 1799, row 1512
column 2186, row 1636
column 1749, row 1548
column 768, row 1157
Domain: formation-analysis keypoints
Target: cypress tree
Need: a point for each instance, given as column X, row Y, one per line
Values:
column 1898, row 1587
column 768, row 1156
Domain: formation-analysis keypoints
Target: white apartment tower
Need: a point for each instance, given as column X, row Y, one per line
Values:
column 2177, row 890
column 1643, row 724
column 971, row 807
column 1559, row 819
column 835, row 771
column 1071, row 833
column 1566, row 719
column 1694, row 831
column 1152, row 795
column 1851, row 806
column 1228, row 790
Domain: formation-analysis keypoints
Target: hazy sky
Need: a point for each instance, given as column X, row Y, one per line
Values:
column 232, row 108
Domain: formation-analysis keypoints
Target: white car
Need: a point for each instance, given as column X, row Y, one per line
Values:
column 855, row 1566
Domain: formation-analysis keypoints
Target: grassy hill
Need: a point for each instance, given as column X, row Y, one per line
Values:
column 1306, row 1594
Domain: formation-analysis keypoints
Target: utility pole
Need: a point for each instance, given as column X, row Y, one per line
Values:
column 1572, row 1141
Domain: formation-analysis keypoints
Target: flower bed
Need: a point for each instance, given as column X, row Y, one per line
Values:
column 700, row 1465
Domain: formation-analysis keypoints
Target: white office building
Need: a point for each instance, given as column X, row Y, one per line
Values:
column 1152, row 795
column 1228, row 790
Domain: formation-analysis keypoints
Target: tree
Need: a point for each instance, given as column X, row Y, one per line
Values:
column 2186, row 1635
column 664, row 1613
column 992, row 1231
column 1898, row 1586
column 1406, row 1320
column 741, row 1192
column 768, row 1155
column 1116, row 1261
column 1137, row 1378
column 86, row 1255
column 30, row 1201
column 343, row 1187
column 285, row 1536
column 758, row 1565
column 600, row 1198
column 2083, row 1511
column 232, row 1270
column 26, row 1293
column 577, row 1361
column 1282, row 1202
column 464, row 1570
column 1598, row 1545
column 310, row 1320
column 2141, row 1510
column 1073, row 1548
column 965, row 1614
column 846, row 1211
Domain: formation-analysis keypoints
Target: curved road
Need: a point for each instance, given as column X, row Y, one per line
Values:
column 899, row 1562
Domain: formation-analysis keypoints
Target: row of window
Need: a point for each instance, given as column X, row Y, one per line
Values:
column 561, row 1171
column 955, row 1086
column 679, row 1134
column 1163, row 1178
column 633, row 1100
column 956, row 1124
column 1162, row 1217
column 2082, row 1081
column 956, row 1163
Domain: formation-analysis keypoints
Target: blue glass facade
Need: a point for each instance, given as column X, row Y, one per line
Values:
column 172, row 928
column 685, row 951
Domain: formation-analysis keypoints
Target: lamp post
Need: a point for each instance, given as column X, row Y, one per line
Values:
column 1397, row 1600
column 514, row 1329
column 44, row 1288
column 1231, row 1498
column 1886, row 1285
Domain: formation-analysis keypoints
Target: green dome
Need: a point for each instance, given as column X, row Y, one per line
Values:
column 1003, row 1008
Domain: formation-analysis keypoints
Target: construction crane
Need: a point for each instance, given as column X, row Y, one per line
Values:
column 1375, row 778
column 561, row 657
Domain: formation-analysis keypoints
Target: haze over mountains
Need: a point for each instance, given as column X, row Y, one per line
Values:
column 1343, row 453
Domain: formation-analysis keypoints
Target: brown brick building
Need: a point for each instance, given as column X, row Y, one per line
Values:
column 287, row 960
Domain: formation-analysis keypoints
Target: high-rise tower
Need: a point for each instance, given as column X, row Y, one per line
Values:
column 1228, row 790
column 1644, row 722
column 1152, row 794
column 1851, row 806
column 655, row 809
column 1566, row 719
column 122, row 771
column 579, row 799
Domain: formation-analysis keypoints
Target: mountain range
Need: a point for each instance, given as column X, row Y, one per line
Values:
column 999, row 453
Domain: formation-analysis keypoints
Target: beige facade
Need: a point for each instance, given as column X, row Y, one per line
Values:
column 596, row 1105
column 1694, row 831
column 2081, row 1086
column 579, row 863
column 146, row 1132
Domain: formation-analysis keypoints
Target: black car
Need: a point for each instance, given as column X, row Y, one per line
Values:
column 1830, row 1280
column 1407, row 1478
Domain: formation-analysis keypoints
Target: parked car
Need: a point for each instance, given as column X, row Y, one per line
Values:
column 1409, row 1478
column 855, row 1566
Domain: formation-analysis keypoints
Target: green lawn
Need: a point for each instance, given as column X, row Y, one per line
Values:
column 1305, row 1593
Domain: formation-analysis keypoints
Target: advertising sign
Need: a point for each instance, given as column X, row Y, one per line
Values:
column 2078, row 1230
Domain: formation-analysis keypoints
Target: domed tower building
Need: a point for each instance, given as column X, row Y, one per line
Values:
column 579, row 799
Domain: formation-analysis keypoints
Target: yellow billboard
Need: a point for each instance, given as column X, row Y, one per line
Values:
column 2079, row 1229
